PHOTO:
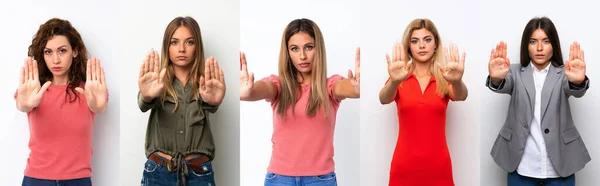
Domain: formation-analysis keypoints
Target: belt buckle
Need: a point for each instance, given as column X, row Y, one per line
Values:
column 171, row 166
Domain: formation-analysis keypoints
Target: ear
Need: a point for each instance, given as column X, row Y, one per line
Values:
column 75, row 53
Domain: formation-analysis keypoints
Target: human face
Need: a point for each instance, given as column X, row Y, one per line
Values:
column 422, row 45
column 301, row 48
column 540, row 49
column 182, row 47
column 59, row 55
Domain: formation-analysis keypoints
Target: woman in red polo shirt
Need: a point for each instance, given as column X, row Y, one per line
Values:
column 421, row 85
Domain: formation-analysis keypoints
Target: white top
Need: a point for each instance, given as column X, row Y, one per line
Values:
column 535, row 162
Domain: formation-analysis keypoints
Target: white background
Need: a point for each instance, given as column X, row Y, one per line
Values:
column 98, row 27
column 383, row 23
column 573, row 22
column 262, row 25
column 142, row 26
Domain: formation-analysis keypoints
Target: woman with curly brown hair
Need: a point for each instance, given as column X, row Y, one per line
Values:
column 61, row 90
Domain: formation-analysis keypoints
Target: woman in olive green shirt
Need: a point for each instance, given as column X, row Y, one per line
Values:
column 179, row 141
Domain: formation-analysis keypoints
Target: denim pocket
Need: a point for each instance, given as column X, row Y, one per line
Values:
column 208, row 170
column 150, row 166
column 270, row 176
column 326, row 177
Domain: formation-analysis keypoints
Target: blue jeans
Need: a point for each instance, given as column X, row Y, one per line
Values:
column 158, row 175
column 280, row 180
column 515, row 179
column 29, row 181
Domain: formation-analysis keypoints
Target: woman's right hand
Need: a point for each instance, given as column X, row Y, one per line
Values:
column 398, row 66
column 246, row 79
column 151, row 77
column 499, row 64
column 29, row 93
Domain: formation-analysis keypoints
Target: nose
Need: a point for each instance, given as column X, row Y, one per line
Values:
column 55, row 58
column 421, row 45
column 540, row 46
column 181, row 47
column 302, row 54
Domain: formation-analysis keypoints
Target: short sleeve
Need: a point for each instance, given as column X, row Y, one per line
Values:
column 330, row 83
column 275, row 80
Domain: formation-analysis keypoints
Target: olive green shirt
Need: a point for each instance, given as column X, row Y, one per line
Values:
column 180, row 132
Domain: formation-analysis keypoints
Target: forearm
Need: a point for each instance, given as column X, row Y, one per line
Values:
column 261, row 90
column 460, row 91
column 344, row 89
column 388, row 92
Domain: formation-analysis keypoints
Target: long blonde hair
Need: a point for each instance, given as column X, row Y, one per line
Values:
column 198, row 64
column 442, row 85
column 288, row 74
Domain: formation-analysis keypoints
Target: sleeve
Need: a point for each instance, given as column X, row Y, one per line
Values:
column 143, row 105
column 275, row 80
column 330, row 83
column 208, row 107
column 506, row 85
column 576, row 90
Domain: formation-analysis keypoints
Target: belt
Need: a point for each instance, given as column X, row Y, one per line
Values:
column 193, row 164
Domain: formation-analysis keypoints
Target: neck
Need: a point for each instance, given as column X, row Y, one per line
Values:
column 422, row 68
column 304, row 78
column 182, row 74
column 60, row 80
column 540, row 66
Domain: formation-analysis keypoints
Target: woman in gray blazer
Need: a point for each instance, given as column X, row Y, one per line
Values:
column 539, row 144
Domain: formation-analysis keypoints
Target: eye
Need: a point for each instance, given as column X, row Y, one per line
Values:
column 47, row 52
column 532, row 42
column 295, row 49
column 62, row 51
column 547, row 41
column 190, row 42
column 308, row 48
column 428, row 40
column 174, row 42
column 413, row 41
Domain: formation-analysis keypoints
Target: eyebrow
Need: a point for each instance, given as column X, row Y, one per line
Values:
column 546, row 38
column 310, row 43
column 184, row 39
column 428, row 36
column 56, row 48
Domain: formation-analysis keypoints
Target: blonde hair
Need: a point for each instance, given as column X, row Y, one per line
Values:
column 442, row 87
column 289, row 75
column 198, row 63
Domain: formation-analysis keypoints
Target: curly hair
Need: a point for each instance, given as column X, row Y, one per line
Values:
column 76, row 73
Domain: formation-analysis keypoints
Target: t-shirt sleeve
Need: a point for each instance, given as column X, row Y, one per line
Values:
column 275, row 79
column 330, row 83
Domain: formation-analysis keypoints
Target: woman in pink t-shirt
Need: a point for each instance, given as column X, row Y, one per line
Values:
column 61, row 111
column 304, row 103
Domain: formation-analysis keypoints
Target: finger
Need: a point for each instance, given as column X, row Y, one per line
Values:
column 571, row 53
column 151, row 62
column 94, row 70
column 207, row 68
column 251, row 77
column 456, row 53
column 162, row 75
column 102, row 77
column 79, row 89
column 439, row 65
column 202, row 82
column 243, row 66
column 578, row 47
column 98, row 69
column 88, row 70
column 446, row 54
column 221, row 76
column 36, row 73
column 147, row 62
column 213, row 70
column 142, row 70
column 462, row 59
column 492, row 54
column 29, row 69
column 395, row 53
column 156, row 62
column 350, row 76
column 217, row 71
column 408, row 65
column 387, row 59
column 507, row 62
column 44, row 87
column 582, row 56
column 402, row 53
column 25, row 69
column 357, row 59
column 22, row 76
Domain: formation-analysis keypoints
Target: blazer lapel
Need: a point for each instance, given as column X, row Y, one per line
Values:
column 527, row 79
column 551, row 80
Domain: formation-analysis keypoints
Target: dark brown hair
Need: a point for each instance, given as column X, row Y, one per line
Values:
column 76, row 74
column 548, row 27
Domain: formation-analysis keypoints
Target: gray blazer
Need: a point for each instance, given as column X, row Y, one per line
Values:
column 565, row 147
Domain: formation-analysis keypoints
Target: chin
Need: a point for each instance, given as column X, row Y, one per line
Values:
column 182, row 63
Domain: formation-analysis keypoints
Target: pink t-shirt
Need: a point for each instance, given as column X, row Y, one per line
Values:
column 60, row 137
column 303, row 145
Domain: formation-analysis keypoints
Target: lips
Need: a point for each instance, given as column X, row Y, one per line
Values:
column 56, row 68
column 422, row 53
column 181, row 57
column 540, row 55
column 304, row 65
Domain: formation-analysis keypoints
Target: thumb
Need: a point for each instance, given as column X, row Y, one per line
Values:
column 350, row 76
column 162, row 74
column 44, row 87
column 79, row 89
column 251, row 77
column 439, row 66
column 202, row 82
